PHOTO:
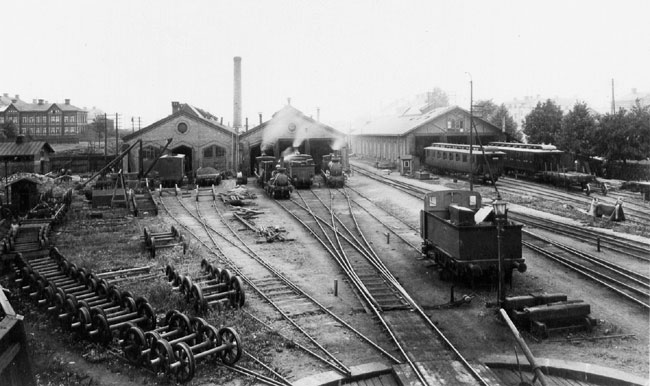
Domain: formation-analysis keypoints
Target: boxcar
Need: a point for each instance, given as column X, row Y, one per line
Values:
column 301, row 169
column 206, row 176
column 461, row 247
column 454, row 158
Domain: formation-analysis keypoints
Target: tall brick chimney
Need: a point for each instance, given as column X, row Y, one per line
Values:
column 175, row 107
column 237, row 95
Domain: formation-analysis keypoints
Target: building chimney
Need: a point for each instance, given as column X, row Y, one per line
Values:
column 34, row 101
column 20, row 139
column 237, row 95
column 175, row 107
column 67, row 101
column 17, row 96
column 14, row 100
column 6, row 95
column 40, row 101
column 317, row 114
column 260, row 114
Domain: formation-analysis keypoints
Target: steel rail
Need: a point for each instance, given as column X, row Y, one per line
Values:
column 303, row 293
column 635, row 277
column 605, row 239
column 569, row 264
column 275, row 373
column 339, row 366
column 376, row 312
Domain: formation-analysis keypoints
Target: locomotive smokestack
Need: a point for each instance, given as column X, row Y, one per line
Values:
column 237, row 95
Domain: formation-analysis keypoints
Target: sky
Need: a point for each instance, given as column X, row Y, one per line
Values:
column 346, row 58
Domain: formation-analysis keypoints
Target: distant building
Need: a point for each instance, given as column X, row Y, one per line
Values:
column 520, row 108
column 628, row 101
column 52, row 122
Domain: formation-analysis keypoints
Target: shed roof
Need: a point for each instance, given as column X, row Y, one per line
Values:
column 402, row 124
column 33, row 180
column 13, row 149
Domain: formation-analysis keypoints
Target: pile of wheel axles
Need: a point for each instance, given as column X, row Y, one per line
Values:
column 26, row 238
column 98, row 311
column 175, row 347
column 154, row 241
column 215, row 288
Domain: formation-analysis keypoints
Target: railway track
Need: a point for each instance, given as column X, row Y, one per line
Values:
column 634, row 212
column 632, row 285
column 306, row 316
column 330, row 217
column 628, row 283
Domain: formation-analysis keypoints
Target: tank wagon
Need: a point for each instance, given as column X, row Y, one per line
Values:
column 171, row 170
column 545, row 163
column 454, row 158
column 332, row 171
column 461, row 237
column 301, row 169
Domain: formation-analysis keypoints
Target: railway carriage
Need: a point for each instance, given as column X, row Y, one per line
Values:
column 301, row 169
column 454, row 158
column 545, row 163
column 461, row 237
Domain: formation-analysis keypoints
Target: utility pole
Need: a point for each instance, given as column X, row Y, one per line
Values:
column 138, row 123
column 471, row 140
column 105, row 137
column 613, row 102
column 132, row 125
column 117, row 137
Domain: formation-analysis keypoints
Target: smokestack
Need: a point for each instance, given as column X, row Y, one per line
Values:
column 67, row 101
column 317, row 114
column 237, row 95
column 260, row 114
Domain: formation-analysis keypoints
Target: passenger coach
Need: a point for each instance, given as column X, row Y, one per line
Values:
column 454, row 158
column 530, row 159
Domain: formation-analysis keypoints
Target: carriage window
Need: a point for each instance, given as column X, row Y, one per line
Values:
column 444, row 155
column 464, row 157
column 457, row 157
column 438, row 154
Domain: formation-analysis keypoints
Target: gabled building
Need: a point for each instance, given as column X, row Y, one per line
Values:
column 25, row 156
column 288, row 130
column 389, row 138
column 52, row 122
column 195, row 133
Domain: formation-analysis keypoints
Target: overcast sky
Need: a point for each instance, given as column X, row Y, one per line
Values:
column 346, row 57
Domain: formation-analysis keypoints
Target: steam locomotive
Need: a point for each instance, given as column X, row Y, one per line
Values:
column 332, row 171
column 461, row 237
column 272, row 177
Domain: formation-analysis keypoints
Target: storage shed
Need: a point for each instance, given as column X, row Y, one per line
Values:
column 24, row 194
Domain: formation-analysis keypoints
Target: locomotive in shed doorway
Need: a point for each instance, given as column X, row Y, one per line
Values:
column 460, row 235
column 273, row 177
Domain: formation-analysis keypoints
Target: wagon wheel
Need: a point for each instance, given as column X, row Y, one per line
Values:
column 180, row 321
column 198, row 324
column 216, row 273
column 225, row 276
column 231, row 354
column 238, row 298
column 168, row 316
column 163, row 351
column 133, row 344
column 169, row 272
column 187, row 366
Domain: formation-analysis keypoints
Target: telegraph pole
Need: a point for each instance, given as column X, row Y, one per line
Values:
column 471, row 140
column 117, row 137
column 105, row 137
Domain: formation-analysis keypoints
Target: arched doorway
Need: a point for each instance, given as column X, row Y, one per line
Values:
column 189, row 161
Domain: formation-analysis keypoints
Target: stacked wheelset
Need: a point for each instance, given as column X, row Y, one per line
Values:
column 175, row 347
column 216, row 288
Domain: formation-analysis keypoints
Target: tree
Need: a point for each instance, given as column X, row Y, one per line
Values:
column 624, row 135
column 544, row 123
column 577, row 133
column 497, row 115
column 9, row 130
column 437, row 98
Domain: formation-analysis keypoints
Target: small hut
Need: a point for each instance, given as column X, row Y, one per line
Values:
column 24, row 194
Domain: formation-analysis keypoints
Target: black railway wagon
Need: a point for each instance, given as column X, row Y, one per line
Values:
column 332, row 171
column 279, row 185
column 301, row 169
column 171, row 170
column 461, row 237
column 530, row 159
column 207, row 176
column 265, row 165
column 454, row 158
